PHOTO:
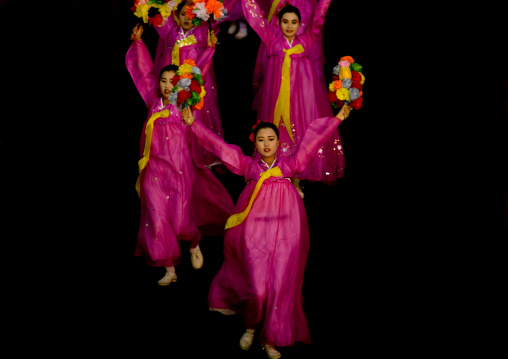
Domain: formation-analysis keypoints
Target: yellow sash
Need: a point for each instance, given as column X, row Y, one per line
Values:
column 238, row 218
column 282, row 105
column 275, row 3
column 175, row 54
column 148, row 142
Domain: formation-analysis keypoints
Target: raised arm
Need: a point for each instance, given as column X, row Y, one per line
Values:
column 204, row 59
column 256, row 19
column 140, row 65
column 231, row 155
column 315, row 136
column 165, row 29
column 317, row 21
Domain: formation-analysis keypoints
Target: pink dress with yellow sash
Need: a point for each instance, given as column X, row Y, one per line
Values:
column 181, row 200
column 308, row 93
column 265, row 255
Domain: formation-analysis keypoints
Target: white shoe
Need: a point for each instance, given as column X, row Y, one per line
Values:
column 232, row 28
column 271, row 352
column 196, row 257
column 242, row 32
column 168, row 278
column 246, row 339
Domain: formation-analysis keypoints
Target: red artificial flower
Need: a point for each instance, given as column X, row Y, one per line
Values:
column 356, row 76
column 332, row 96
column 339, row 103
column 335, row 77
column 182, row 97
column 357, row 84
column 195, row 86
column 357, row 104
column 156, row 20
column 175, row 80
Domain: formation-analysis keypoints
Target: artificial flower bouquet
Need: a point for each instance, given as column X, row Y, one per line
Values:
column 155, row 12
column 188, row 90
column 202, row 10
column 347, row 84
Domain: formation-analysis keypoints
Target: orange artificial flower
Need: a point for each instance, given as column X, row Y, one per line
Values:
column 186, row 76
column 190, row 62
column 337, row 84
column 188, row 12
column 214, row 7
column 199, row 105
column 347, row 58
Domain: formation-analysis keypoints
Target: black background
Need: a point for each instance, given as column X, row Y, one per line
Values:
column 405, row 255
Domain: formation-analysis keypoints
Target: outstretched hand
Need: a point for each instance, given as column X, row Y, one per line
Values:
column 344, row 112
column 187, row 116
column 137, row 31
column 212, row 38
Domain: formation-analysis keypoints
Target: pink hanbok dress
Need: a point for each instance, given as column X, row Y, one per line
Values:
column 181, row 199
column 308, row 93
column 191, row 45
column 264, row 256
column 316, row 53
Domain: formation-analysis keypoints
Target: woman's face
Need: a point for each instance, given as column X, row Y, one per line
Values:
column 289, row 24
column 185, row 23
column 267, row 143
column 165, row 83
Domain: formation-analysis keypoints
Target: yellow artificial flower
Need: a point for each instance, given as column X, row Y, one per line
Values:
column 331, row 87
column 342, row 94
column 142, row 12
column 203, row 92
column 344, row 73
column 363, row 79
column 184, row 69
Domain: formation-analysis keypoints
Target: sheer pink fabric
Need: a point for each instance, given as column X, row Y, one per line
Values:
column 202, row 55
column 309, row 94
column 264, row 257
column 180, row 198
column 316, row 53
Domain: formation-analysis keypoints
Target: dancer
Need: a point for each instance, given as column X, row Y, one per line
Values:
column 267, row 239
column 181, row 200
column 180, row 40
column 316, row 53
column 291, row 93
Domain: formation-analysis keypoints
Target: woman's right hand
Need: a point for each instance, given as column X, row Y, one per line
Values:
column 137, row 31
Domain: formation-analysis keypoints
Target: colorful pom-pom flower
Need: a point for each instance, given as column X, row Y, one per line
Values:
column 347, row 84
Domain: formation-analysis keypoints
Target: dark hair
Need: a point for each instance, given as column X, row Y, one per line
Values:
column 265, row 125
column 289, row 8
column 180, row 6
column 168, row 68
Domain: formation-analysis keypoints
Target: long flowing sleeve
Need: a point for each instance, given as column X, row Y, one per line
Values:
column 231, row 155
column 256, row 19
column 204, row 61
column 317, row 21
column 140, row 65
column 315, row 136
column 165, row 29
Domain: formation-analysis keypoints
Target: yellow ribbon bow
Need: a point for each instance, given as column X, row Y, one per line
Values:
column 148, row 142
column 236, row 219
column 175, row 54
column 282, row 105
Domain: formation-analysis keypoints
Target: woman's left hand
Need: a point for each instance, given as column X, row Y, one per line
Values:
column 187, row 116
column 344, row 112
